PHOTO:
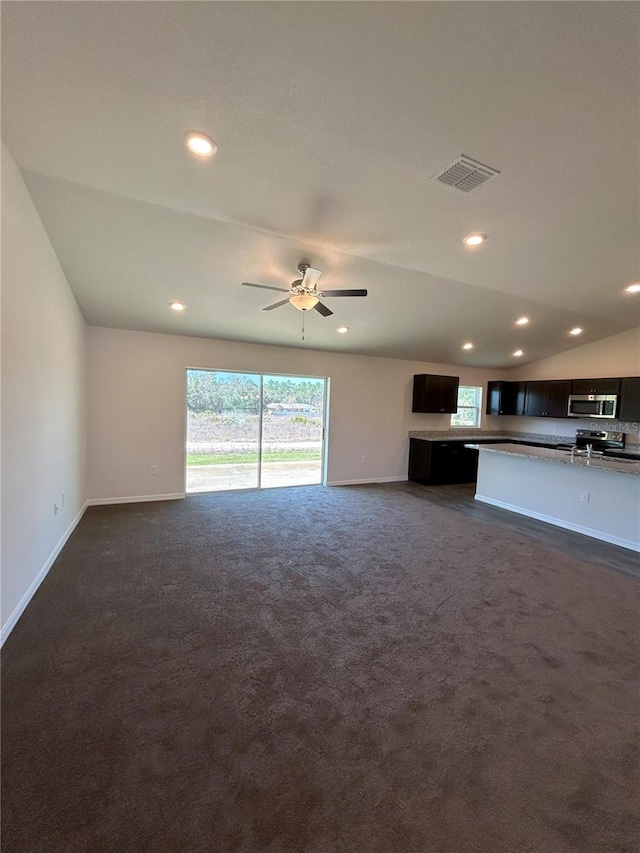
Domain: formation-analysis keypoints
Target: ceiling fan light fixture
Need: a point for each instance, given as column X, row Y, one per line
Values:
column 304, row 301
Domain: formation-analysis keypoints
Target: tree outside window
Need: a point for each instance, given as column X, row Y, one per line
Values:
column 469, row 407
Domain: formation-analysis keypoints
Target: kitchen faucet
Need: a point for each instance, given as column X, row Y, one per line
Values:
column 576, row 449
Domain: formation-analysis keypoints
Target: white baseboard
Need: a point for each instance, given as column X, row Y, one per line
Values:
column 567, row 525
column 137, row 499
column 363, row 482
column 8, row 627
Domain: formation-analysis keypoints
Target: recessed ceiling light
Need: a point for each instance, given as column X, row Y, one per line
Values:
column 176, row 305
column 200, row 144
column 475, row 239
column 522, row 321
column 576, row 331
column 518, row 353
column 633, row 288
column 342, row 330
column 468, row 345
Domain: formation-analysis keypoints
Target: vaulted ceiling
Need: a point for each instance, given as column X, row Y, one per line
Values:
column 331, row 119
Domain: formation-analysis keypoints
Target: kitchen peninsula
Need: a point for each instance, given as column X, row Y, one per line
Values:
column 599, row 497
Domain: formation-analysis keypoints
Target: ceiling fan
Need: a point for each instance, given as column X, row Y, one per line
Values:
column 304, row 293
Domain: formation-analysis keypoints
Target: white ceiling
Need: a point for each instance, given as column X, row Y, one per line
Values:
column 331, row 119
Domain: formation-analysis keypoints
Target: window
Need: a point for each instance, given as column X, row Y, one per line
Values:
column 469, row 407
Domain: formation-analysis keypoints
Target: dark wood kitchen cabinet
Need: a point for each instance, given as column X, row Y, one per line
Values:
column 505, row 398
column 547, row 399
column 629, row 399
column 595, row 386
column 433, row 394
column 435, row 463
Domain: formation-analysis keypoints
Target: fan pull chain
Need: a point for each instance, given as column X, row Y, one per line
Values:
column 303, row 313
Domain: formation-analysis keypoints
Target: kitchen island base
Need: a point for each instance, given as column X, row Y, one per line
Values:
column 603, row 504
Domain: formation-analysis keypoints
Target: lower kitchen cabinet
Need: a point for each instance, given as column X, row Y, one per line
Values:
column 440, row 462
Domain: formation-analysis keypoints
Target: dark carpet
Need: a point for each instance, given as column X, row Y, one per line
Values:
column 320, row 669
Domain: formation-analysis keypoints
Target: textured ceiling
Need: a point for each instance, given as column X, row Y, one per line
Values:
column 331, row 119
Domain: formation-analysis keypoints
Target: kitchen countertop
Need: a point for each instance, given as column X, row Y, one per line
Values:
column 632, row 451
column 498, row 435
column 562, row 457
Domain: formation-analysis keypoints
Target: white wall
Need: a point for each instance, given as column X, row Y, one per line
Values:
column 43, row 429
column 618, row 355
column 136, row 414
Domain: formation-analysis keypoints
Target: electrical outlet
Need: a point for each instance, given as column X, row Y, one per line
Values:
column 153, row 470
column 584, row 497
column 362, row 458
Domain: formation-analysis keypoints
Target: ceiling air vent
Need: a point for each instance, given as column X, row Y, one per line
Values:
column 465, row 174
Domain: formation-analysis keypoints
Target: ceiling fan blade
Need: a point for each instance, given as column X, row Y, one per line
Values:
column 344, row 293
column 264, row 286
column 311, row 277
column 275, row 305
column 322, row 309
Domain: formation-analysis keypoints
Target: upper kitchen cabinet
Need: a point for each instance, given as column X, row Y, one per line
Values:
column 595, row 386
column 534, row 404
column 505, row 398
column 433, row 394
column 547, row 399
column 630, row 399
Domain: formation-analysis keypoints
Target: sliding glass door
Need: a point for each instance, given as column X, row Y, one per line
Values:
column 248, row 431
column 292, row 431
column 223, row 430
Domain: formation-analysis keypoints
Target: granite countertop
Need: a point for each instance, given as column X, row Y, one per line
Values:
column 501, row 435
column 631, row 450
column 562, row 457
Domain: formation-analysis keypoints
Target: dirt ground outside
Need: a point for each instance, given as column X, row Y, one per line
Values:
column 238, row 432
column 234, row 435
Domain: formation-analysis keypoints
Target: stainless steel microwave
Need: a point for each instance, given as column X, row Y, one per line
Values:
column 592, row 406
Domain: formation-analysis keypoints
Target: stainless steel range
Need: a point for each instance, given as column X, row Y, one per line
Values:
column 597, row 440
